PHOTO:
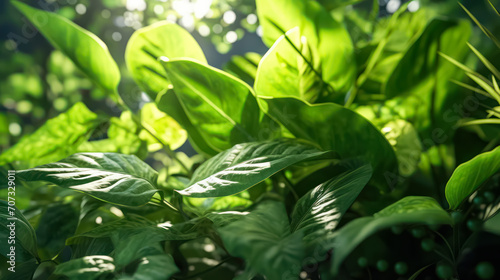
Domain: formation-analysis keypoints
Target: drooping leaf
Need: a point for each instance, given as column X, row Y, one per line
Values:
column 86, row 50
column 114, row 178
column 407, row 211
column 330, row 46
column 320, row 210
column 263, row 239
column 222, row 108
column 334, row 127
column 156, row 267
column 245, row 165
column 89, row 267
column 57, row 138
column 470, row 175
column 150, row 43
column 11, row 219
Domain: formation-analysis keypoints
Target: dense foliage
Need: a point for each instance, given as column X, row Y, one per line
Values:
column 356, row 147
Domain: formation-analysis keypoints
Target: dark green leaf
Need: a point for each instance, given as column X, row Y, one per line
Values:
column 114, row 178
column 321, row 209
column 263, row 239
column 86, row 50
column 157, row 267
column 86, row 268
column 25, row 238
column 56, row 139
column 409, row 210
column 245, row 165
column 470, row 175
column 336, row 128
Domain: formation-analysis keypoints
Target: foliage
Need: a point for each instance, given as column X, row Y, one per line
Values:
column 310, row 159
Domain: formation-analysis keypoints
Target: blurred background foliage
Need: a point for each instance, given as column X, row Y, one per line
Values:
column 38, row 83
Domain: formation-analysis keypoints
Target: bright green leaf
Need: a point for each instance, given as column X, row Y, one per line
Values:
column 244, row 67
column 56, row 139
column 470, row 175
column 245, row 165
column 114, row 178
column 85, row 49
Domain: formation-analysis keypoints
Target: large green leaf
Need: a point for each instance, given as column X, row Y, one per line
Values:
column 89, row 267
column 328, row 46
column 422, row 77
column 263, row 239
column 222, row 108
column 470, row 175
column 409, row 210
column 156, row 267
column 86, row 50
column 321, row 209
column 25, row 238
column 245, row 165
column 150, row 43
column 336, row 128
column 114, row 178
column 56, row 139
column 244, row 67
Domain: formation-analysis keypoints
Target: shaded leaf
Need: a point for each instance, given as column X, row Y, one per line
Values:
column 89, row 267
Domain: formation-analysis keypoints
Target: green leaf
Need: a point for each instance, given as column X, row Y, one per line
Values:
column 57, row 138
column 422, row 77
column 245, row 165
column 157, row 267
column 406, row 143
column 321, row 209
column 336, row 128
column 85, row 49
column 330, row 46
column 222, row 108
column 150, row 43
column 409, row 210
column 89, row 267
column 263, row 239
column 25, row 238
column 164, row 128
column 468, row 176
column 114, row 178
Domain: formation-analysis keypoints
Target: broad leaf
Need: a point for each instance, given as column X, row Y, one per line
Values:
column 470, row 175
column 86, row 50
column 220, row 106
column 25, row 237
column 336, row 128
column 56, row 139
column 244, row 67
column 114, row 178
column 422, row 77
column 156, row 267
column 245, row 165
column 409, row 210
column 150, row 43
column 263, row 239
column 329, row 48
column 89, row 267
column 321, row 209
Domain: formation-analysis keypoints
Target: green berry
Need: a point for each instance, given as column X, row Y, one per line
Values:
column 428, row 244
column 418, row 232
column 478, row 200
column 401, row 268
column 444, row 271
column 362, row 262
column 489, row 196
column 485, row 270
column 457, row 217
column 382, row 265
column 474, row 224
column 397, row 230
